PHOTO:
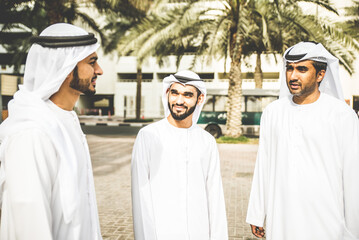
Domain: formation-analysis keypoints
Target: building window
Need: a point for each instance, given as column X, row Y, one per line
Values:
column 132, row 77
column 161, row 76
column 207, row 77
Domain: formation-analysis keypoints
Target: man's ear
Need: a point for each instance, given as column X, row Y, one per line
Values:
column 200, row 99
column 320, row 75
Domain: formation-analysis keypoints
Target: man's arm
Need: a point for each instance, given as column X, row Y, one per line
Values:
column 256, row 208
column 30, row 168
column 215, row 198
column 142, row 211
column 350, row 131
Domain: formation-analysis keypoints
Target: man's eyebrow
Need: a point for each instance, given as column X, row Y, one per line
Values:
column 94, row 58
column 302, row 67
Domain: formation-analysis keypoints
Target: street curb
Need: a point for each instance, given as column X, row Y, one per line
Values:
column 112, row 124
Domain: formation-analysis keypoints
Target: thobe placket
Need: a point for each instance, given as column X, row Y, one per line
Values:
column 186, row 162
column 90, row 182
column 184, row 186
column 296, row 135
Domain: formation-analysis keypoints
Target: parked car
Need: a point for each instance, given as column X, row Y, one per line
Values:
column 215, row 123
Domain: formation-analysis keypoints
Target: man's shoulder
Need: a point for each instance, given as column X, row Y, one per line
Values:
column 29, row 138
column 333, row 100
column 153, row 127
column 277, row 104
column 203, row 133
column 34, row 132
column 335, row 105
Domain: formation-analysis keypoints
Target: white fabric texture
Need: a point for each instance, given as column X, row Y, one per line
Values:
column 32, row 207
column 306, row 173
column 45, row 71
column 316, row 52
column 200, row 85
column 177, row 189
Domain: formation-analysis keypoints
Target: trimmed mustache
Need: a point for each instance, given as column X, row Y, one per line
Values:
column 179, row 105
column 294, row 81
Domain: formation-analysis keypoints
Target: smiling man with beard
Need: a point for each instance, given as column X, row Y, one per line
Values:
column 305, row 183
column 46, row 180
column 177, row 189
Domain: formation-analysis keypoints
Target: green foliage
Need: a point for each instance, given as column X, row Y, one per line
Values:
column 232, row 28
column 32, row 17
column 241, row 139
column 140, row 120
column 351, row 24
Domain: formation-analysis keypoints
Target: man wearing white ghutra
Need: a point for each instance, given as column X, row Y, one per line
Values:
column 177, row 189
column 46, row 180
column 305, row 182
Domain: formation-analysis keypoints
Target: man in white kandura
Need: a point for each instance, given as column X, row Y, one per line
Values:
column 306, row 177
column 47, row 187
column 177, row 189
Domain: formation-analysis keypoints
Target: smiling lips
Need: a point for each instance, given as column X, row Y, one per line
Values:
column 93, row 80
column 178, row 107
column 294, row 85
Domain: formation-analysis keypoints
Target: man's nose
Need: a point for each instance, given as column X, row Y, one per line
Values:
column 98, row 70
column 293, row 75
column 180, row 99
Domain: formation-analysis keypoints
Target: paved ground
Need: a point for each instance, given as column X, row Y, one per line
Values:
column 111, row 158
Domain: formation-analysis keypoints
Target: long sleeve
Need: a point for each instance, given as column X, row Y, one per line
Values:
column 142, row 208
column 215, row 198
column 30, row 168
column 257, row 202
column 350, row 126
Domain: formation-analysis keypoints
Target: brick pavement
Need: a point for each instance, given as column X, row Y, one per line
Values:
column 111, row 159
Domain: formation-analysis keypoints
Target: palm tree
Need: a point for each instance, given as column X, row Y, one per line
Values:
column 124, row 15
column 351, row 24
column 33, row 17
column 176, row 27
column 227, row 29
column 272, row 34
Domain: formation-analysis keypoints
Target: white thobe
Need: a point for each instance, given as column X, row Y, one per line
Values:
column 177, row 191
column 306, row 176
column 31, row 207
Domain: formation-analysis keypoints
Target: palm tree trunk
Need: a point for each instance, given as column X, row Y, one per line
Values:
column 234, row 114
column 258, row 74
column 138, row 92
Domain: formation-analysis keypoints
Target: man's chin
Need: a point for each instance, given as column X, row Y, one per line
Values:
column 89, row 92
column 179, row 117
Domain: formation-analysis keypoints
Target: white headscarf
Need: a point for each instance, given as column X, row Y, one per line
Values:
column 311, row 51
column 45, row 71
column 168, row 81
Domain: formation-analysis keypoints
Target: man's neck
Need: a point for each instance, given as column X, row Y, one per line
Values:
column 185, row 123
column 301, row 100
column 65, row 99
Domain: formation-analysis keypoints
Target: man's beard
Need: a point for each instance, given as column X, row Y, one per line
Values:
column 307, row 90
column 81, row 85
column 180, row 117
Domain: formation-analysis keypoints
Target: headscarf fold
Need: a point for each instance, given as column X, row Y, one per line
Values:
column 316, row 52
